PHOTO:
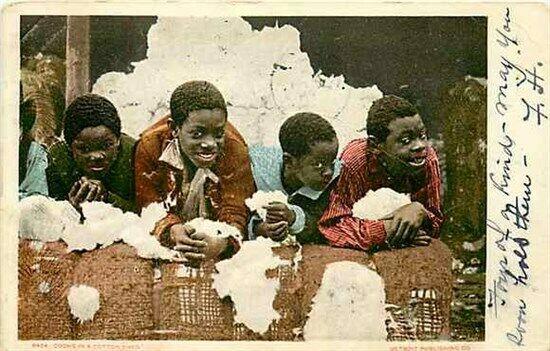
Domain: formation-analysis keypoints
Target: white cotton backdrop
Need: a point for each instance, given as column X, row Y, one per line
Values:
column 263, row 75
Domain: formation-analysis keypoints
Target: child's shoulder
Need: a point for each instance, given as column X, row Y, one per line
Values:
column 356, row 148
column 265, row 155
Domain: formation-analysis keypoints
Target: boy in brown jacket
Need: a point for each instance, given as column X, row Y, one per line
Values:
column 196, row 163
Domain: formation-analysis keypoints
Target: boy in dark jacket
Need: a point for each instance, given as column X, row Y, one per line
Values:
column 94, row 162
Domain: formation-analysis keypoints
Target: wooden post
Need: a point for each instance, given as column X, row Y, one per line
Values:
column 78, row 57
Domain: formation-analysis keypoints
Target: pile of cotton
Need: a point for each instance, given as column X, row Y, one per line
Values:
column 83, row 302
column 263, row 75
column 349, row 305
column 44, row 219
column 243, row 278
column 216, row 228
column 379, row 203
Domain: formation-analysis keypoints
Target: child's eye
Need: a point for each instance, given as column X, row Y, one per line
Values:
column 196, row 134
column 320, row 165
column 405, row 141
column 423, row 136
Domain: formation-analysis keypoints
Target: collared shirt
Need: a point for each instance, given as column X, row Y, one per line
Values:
column 361, row 172
column 157, row 180
column 267, row 167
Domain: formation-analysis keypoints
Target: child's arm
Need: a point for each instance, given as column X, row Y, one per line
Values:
column 120, row 202
column 432, row 204
column 237, row 184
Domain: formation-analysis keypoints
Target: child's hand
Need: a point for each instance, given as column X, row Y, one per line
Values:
column 402, row 224
column 180, row 239
column 86, row 189
column 276, row 231
column 214, row 245
column 279, row 212
column 421, row 239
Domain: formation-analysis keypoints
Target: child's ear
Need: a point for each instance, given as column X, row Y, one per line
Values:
column 173, row 127
column 373, row 140
column 288, row 159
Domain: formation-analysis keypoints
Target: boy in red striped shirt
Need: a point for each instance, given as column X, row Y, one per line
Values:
column 395, row 155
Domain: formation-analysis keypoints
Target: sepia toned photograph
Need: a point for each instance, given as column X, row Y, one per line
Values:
column 252, row 178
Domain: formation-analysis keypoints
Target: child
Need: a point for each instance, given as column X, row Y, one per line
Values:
column 197, row 163
column 395, row 155
column 94, row 162
column 303, row 167
column 33, row 158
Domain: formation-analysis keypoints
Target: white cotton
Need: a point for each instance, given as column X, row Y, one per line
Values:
column 263, row 75
column 243, row 279
column 349, row 305
column 216, row 228
column 36, row 245
column 44, row 219
column 44, row 287
column 83, row 302
column 379, row 203
column 263, row 198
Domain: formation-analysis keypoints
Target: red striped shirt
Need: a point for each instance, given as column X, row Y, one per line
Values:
column 360, row 173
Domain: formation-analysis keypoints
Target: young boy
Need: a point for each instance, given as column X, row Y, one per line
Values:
column 302, row 167
column 197, row 163
column 94, row 161
column 396, row 155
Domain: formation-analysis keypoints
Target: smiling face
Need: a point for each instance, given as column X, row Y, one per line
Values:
column 201, row 136
column 406, row 143
column 94, row 149
column 314, row 169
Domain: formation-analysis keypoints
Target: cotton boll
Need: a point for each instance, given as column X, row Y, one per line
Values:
column 379, row 203
column 83, row 302
column 44, row 219
column 202, row 225
column 263, row 198
column 243, row 278
column 349, row 305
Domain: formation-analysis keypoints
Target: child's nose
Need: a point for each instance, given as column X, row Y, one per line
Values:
column 418, row 145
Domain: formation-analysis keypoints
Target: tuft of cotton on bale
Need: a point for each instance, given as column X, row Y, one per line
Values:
column 105, row 225
column 244, row 279
column 279, row 80
column 379, row 203
column 84, row 302
column 349, row 305
column 217, row 228
column 44, row 219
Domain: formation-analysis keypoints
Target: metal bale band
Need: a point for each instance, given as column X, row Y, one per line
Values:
column 180, row 303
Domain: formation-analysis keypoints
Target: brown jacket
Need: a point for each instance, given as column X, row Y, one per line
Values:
column 156, row 180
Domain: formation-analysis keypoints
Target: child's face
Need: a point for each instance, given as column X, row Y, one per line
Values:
column 201, row 136
column 316, row 168
column 406, row 144
column 94, row 149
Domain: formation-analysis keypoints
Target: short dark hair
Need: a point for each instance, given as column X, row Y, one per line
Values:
column 301, row 131
column 90, row 110
column 192, row 96
column 384, row 111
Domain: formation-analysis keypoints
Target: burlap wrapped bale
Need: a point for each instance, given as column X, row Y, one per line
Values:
column 125, row 284
column 45, row 272
column 189, row 307
column 414, row 270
